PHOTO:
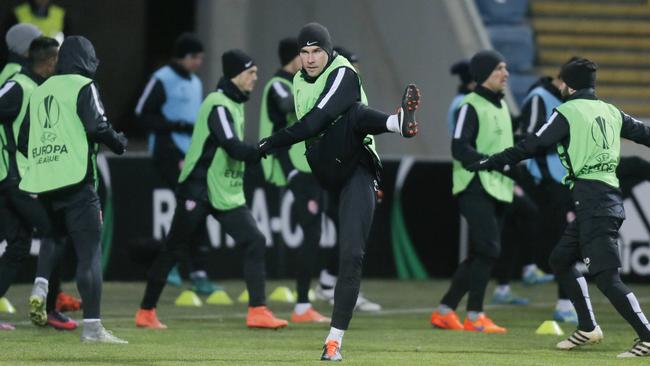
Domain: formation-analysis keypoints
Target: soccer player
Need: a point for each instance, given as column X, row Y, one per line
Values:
column 212, row 183
column 18, row 39
column 334, row 122
column 168, row 108
column 551, row 195
column 328, row 275
column 60, row 137
column 588, row 134
column 21, row 213
column 289, row 167
column 483, row 126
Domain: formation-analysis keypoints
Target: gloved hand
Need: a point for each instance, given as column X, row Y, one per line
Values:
column 123, row 141
column 264, row 146
column 483, row 164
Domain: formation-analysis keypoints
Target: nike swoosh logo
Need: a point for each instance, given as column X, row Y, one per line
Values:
column 248, row 64
column 311, row 43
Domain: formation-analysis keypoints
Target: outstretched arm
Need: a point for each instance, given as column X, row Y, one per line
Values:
column 221, row 127
column 341, row 91
column 635, row 130
column 98, row 129
column 554, row 131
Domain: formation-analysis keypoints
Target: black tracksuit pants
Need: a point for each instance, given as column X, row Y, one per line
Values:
column 340, row 156
column 75, row 212
column 167, row 160
column 593, row 239
column 21, row 215
column 484, row 216
column 521, row 228
column 188, row 218
column 356, row 207
column 306, row 212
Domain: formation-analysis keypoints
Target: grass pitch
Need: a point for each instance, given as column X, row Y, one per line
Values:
column 399, row 335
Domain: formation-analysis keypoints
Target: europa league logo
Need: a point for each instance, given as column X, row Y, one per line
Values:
column 49, row 112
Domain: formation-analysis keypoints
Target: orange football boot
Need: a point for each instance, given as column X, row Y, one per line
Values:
column 449, row 321
column 148, row 319
column 309, row 316
column 65, row 302
column 484, row 325
column 262, row 317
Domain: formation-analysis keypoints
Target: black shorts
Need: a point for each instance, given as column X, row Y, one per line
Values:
column 593, row 241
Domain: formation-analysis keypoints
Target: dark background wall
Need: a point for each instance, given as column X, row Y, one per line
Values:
column 131, row 38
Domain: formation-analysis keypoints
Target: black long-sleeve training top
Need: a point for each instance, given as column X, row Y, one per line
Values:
column 463, row 145
column 222, row 134
column 341, row 91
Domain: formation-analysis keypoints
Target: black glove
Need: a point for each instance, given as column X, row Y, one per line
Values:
column 123, row 140
column 483, row 164
column 264, row 146
column 122, row 144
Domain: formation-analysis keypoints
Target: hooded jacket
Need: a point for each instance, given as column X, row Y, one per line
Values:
column 77, row 56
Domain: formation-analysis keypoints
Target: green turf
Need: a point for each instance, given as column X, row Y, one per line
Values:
column 400, row 335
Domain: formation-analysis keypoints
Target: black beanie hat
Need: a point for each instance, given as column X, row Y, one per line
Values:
column 288, row 50
column 234, row 62
column 314, row 34
column 187, row 44
column 483, row 63
column 579, row 74
column 461, row 68
column 351, row 56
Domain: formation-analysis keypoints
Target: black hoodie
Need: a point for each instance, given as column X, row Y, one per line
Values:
column 77, row 56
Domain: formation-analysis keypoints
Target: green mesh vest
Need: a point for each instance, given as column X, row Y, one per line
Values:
column 595, row 141
column 305, row 96
column 8, row 71
column 271, row 166
column 28, row 85
column 225, row 174
column 494, row 136
column 58, row 147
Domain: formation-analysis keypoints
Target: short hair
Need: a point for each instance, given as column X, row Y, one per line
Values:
column 42, row 49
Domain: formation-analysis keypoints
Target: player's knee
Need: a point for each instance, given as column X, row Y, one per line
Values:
column 609, row 282
column 489, row 252
column 256, row 245
column 351, row 262
column 558, row 262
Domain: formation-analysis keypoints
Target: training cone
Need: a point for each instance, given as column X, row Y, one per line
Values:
column 6, row 307
column 311, row 295
column 188, row 298
column 282, row 294
column 243, row 297
column 550, row 327
column 219, row 298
